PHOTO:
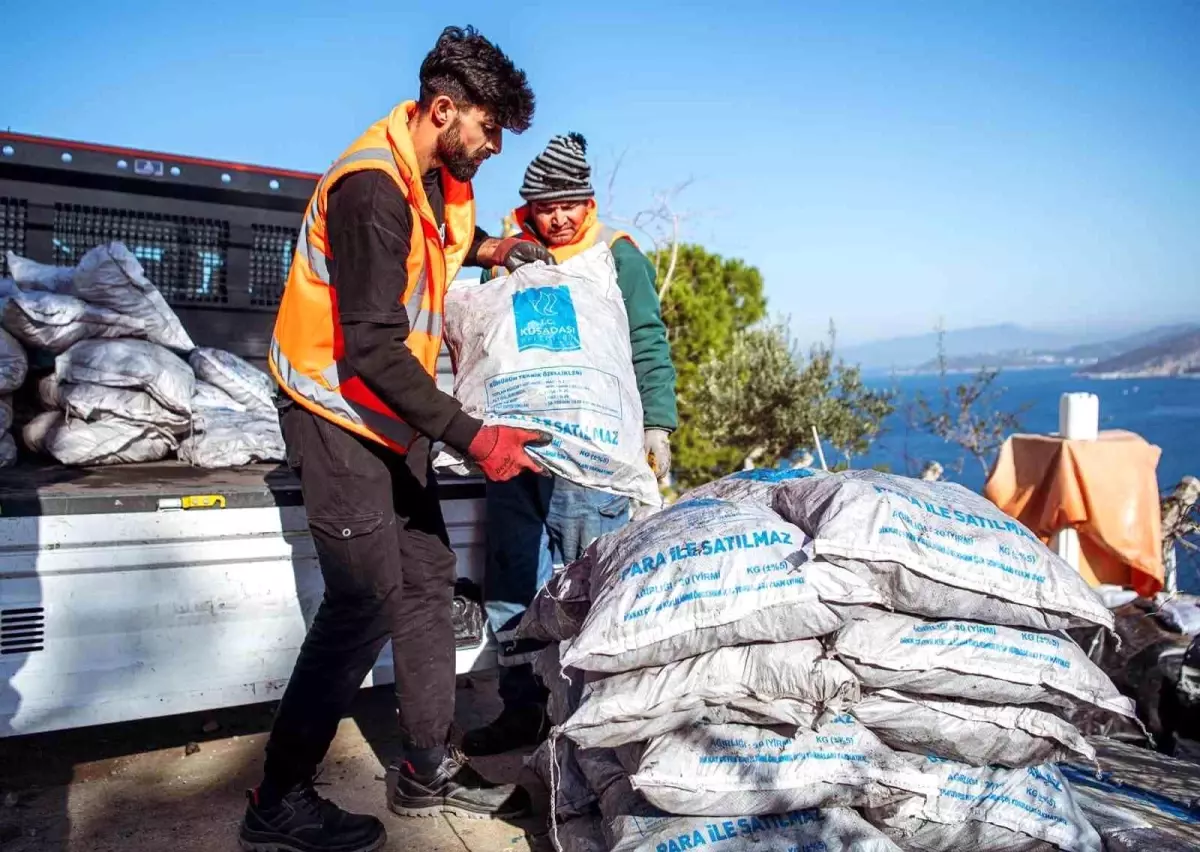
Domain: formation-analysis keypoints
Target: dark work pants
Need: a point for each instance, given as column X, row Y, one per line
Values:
column 389, row 572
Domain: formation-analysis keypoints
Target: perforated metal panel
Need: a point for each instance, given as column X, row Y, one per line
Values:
column 12, row 229
column 270, row 259
column 23, row 630
column 184, row 256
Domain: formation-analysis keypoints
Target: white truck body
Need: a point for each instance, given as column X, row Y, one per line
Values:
column 116, row 601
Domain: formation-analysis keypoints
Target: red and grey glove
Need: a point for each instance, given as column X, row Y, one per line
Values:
column 514, row 252
column 500, row 451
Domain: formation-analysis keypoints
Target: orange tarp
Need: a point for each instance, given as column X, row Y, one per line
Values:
column 1106, row 489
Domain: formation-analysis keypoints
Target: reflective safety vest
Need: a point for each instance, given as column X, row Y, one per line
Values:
column 307, row 350
column 591, row 231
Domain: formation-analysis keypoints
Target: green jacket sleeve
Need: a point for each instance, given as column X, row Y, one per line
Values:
column 647, row 336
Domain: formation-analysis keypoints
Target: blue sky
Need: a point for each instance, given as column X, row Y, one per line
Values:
column 883, row 163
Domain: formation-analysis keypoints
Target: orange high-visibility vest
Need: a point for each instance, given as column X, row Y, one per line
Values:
column 307, row 350
column 591, row 231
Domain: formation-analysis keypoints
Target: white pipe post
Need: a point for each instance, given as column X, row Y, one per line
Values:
column 1078, row 420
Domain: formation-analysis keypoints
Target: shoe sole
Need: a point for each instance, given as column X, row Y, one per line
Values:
column 438, row 808
column 283, row 846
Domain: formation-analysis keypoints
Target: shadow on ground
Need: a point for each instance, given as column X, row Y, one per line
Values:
column 178, row 783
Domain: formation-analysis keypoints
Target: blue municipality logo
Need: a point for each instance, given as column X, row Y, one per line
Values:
column 773, row 474
column 545, row 318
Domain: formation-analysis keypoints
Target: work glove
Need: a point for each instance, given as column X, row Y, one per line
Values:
column 499, row 451
column 658, row 451
column 514, row 252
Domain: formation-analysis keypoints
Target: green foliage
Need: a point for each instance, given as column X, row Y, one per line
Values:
column 967, row 415
column 746, row 394
column 762, row 400
column 710, row 301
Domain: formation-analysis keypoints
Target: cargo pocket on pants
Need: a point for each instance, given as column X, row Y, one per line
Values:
column 359, row 554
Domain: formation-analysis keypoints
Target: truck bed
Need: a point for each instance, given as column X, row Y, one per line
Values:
column 121, row 600
column 47, row 488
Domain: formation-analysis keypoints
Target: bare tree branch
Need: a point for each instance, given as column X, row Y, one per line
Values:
column 661, row 224
column 609, row 192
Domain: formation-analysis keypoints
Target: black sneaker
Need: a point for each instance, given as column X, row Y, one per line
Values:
column 304, row 822
column 455, row 789
column 514, row 728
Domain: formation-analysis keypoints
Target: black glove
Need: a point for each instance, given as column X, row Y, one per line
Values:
column 515, row 252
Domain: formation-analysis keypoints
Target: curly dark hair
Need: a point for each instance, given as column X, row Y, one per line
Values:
column 465, row 66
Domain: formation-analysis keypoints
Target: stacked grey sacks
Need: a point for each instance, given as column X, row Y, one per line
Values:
column 693, row 637
column 122, row 389
column 758, row 670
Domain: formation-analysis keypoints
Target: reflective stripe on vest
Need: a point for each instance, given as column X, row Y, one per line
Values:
column 329, row 399
column 419, row 318
column 307, row 356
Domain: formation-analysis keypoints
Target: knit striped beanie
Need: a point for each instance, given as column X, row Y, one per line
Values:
column 560, row 173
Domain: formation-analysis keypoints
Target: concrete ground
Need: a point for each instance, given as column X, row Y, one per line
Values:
column 178, row 784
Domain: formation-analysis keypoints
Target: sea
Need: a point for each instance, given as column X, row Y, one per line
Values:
column 1166, row 412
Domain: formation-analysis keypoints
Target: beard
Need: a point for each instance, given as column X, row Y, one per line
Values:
column 458, row 161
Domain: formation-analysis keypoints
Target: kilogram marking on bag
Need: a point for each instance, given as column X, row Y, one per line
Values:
column 556, row 389
column 545, row 318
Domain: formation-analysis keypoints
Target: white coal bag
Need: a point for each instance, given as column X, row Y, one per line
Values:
column 702, row 575
column 31, row 275
column 990, row 810
column 631, row 824
column 14, row 364
column 975, row 662
column 8, row 450
column 970, row 732
column 827, row 830
column 582, row 834
column 47, row 392
column 95, row 402
column 547, row 347
column 937, row 549
column 573, row 796
column 111, row 277
column 731, row 769
column 785, row 683
column 559, row 607
column 137, row 364
column 750, row 486
column 211, row 398
column 56, row 321
column 565, row 687
column 241, row 380
column 36, row 430
column 107, row 441
column 601, row 768
column 228, row 439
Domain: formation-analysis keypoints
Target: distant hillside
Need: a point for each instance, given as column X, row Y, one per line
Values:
column 1175, row 356
column 1082, row 355
column 909, row 352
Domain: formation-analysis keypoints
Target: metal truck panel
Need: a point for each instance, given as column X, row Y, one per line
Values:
column 112, row 617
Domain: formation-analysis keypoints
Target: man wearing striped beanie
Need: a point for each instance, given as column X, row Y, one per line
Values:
column 534, row 522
